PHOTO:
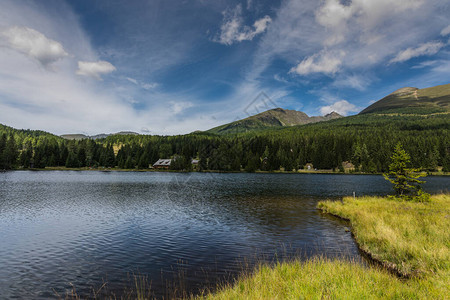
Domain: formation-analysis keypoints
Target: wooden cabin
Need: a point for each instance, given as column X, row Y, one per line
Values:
column 162, row 163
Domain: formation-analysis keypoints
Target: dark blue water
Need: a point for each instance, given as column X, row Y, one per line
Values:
column 59, row 229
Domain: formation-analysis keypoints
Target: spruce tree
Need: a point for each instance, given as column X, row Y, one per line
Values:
column 2, row 151
column 406, row 181
column 10, row 154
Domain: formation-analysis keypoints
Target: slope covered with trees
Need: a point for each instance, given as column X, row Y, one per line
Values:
column 365, row 140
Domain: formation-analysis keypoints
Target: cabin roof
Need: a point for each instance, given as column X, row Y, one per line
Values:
column 162, row 162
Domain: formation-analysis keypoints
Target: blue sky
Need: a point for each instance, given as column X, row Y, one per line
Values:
column 173, row 67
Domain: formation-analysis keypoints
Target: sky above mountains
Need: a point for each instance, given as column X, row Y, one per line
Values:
column 172, row 66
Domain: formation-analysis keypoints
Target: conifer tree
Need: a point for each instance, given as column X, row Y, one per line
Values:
column 405, row 180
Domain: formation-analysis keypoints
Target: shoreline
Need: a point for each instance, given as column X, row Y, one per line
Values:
column 400, row 238
column 391, row 267
column 357, row 212
column 329, row 172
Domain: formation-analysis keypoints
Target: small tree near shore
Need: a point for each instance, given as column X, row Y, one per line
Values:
column 407, row 185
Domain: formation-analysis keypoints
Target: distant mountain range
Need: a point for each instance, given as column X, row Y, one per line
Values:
column 77, row 136
column 405, row 101
column 274, row 118
column 408, row 100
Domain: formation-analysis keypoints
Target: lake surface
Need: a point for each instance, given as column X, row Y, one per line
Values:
column 59, row 228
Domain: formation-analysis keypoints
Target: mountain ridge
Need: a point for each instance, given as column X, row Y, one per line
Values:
column 435, row 98
column 273, row 118
column 80, row 136
column 404, row 101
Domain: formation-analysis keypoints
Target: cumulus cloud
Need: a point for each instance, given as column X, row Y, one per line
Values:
column 95, row 69
column 311, row 35
column 323, row 62
column 429, row 48
column 338, row 17
column 32, row 43
column 60, row 103
column 334, row 15
column 342, row 107
column 232, row 29
column 445, row 31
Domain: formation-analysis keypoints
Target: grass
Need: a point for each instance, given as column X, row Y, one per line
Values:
column 411, row 238
column 321, row 278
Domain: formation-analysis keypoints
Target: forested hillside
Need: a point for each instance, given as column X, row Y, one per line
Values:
column 40, row 149
column 366, row 141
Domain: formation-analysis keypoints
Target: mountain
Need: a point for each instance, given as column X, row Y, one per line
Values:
column 413, row 100
column 74, row 136
column 77, row 136
column 274, row 118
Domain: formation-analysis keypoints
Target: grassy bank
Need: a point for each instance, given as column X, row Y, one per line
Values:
column 411, row 238
column 321, row 278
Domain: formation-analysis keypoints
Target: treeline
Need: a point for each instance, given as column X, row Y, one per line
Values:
column 366, row 142
column 41, row 152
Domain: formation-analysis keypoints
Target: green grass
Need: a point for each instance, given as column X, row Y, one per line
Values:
column 412, row 238
column 321, row 278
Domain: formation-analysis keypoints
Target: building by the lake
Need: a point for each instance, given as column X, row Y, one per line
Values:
column 162, row 163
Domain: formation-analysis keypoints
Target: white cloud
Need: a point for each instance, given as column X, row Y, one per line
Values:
column 232, row 29
column 340, row 18
column 342, row 107
column 369, row 32
column 59, row 102
column 149, row 86
column 356, row 82
column 33, row 44
column 179, row 107
column 334, row 16
column 95, row 69
column 429, row 48
column 132, row 80
column 144, row 85
column 445, row 31
column 426, row 64
column 323, row 62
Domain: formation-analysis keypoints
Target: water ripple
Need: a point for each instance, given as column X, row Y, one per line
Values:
column 59, row 228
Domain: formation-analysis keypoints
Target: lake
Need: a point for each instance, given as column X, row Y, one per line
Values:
column 59, row 228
